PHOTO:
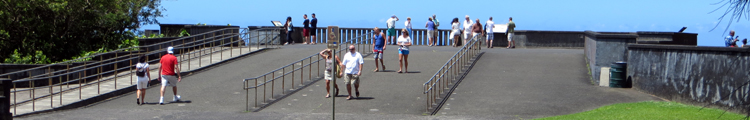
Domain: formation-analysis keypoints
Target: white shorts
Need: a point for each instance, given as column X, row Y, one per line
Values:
column 328, row 75
column 169, row 80
column 510, row 37
column 142, row 83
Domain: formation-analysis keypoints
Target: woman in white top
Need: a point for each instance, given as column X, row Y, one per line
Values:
column 143, row 74
column 329, row 69
column 455, row 31
column 408, row 24
column 404, row 41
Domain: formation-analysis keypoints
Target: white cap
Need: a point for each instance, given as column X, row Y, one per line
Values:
column 170, row 50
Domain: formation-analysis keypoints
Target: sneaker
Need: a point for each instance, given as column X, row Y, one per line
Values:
column 176, row 98
column 161, row 101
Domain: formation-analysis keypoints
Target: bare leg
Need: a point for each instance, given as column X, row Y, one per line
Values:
column 349, row 90
column 382, row 64
column 376, row 64
column 174, row 89
column 356, row 88
column 406, row 63
column 313, row 39
column 143, row 95
column 400, row 62
column 328, row 88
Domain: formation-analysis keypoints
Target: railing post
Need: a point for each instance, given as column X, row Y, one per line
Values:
column 49, row 70
column 98, row 81
column 116, row 57
column 130, row 66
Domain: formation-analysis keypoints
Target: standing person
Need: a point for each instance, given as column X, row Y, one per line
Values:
column 331, row 61
column 289, row 30
column 477, row 29
column 509, row 32
column 314, row 27
column 391, row 23
column 435, row 33
column 430, row 30
column 306, row 30
column 744, row 43
column 730, row 40
column 455, row 31
column 169, row 69
column 407, row 24
column 403, row 51
column 378, row 47
column 489, row 25
column 468, row 24
column 144, row 75
column 352, row 65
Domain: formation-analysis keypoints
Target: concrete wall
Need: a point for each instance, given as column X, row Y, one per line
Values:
column 604, row 48
column 689, row 74
column 546, row 39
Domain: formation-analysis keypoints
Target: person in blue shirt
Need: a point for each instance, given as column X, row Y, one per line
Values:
column 313, row 28
column 378, row 47
column 730, row 40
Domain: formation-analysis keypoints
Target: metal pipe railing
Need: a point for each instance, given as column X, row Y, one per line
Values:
column 291, row 70
column 218, row 39
column 447, row 73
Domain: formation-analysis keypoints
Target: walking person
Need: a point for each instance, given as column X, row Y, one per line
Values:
column 378, row 47
column 352, row 65
column 430, row 31
column 143, row 74
column 306, row 30
column 331, row 61
column 488, row 26
column 408, row 24
column 477, row 29
column 391, row 24
column 289, row 30
column 403, row 51
column 314, row 27
column 455, row 31
column 509, row 32
column 435, row 33
column 468, row 24
column 169, row 72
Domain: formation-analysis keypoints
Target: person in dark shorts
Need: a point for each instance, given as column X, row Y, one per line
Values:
column 306, row 30
column 314, row 26
column 289, row 30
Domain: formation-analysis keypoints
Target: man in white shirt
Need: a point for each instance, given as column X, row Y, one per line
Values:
column 468, row 25
column 352, row 65
column 488, row 26
column 391, row 32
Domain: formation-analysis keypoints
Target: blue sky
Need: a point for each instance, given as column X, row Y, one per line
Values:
column 563, row 15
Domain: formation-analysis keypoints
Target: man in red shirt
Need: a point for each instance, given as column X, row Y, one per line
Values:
column 168, row 70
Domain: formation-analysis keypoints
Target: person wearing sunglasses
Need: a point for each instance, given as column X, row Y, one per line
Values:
column 352, row 65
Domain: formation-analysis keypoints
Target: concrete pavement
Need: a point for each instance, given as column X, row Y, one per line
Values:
column 535, row 83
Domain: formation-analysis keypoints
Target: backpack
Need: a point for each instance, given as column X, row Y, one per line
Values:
column 140, row 72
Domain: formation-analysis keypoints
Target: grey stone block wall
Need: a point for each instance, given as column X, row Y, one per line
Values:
column 602, row 49
column 689, row 74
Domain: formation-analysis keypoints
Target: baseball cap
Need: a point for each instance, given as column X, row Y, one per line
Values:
column 170, row 50
column 393, row 16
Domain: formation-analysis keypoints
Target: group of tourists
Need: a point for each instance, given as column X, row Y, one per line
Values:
column 731, row 40
column 471, row 30
column 308, row 30
column 168, row 75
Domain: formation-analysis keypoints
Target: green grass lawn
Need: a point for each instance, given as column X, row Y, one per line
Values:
column 650, row 110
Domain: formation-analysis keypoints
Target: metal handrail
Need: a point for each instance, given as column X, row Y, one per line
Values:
column 436, row 83
column 217, row 39
column 113, row 51
column 284, row 73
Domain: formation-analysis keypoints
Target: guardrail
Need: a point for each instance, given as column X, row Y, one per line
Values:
column 90, row 74
column 290, row 70
column 418, row 36
column 434, row 88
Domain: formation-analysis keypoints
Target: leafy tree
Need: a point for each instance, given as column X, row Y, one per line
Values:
column 735, row 9
column 61, row 29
